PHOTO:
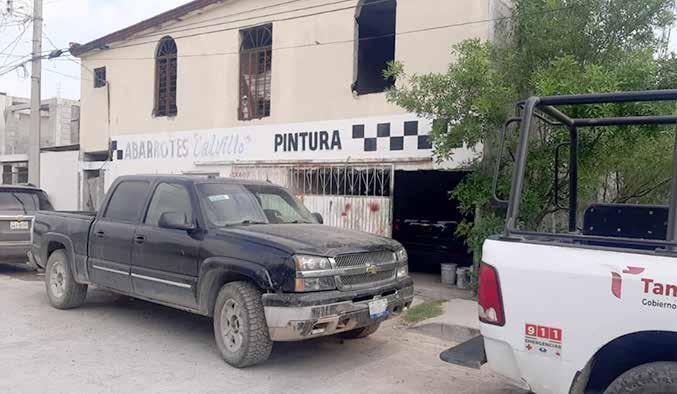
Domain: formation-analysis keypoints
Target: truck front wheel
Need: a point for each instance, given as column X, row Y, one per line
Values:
column 658, row 377
column 240, row 326
column 62, row 289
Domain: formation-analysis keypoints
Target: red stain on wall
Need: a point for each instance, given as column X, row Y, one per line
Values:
column 346, row 210
column 374, row 207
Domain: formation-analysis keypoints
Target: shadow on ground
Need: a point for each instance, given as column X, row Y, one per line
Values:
column 21, row 272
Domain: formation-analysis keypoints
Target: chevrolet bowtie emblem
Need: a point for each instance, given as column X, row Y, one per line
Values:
column 371, row 269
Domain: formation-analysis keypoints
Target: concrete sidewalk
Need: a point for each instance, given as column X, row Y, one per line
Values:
column 458, row 322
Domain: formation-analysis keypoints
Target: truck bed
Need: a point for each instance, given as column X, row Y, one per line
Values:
column 74, row 226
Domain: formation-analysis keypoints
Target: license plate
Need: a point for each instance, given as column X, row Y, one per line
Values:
column 378, row 308
column 15, row 225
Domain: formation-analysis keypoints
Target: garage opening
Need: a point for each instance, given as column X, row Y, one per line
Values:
column 425, row 219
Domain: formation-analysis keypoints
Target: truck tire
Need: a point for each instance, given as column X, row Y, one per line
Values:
column 240, row 327
column 62, row 289
column 360, row 332
column 658, row 377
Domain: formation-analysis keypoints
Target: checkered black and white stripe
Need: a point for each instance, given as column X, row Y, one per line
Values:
column 385, row 137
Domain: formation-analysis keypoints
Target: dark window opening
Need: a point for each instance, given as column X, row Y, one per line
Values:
column 376, row 20
column 22, row 177
column 99, row 77
column 166, row 62
column 427, row 229
column 256, row 62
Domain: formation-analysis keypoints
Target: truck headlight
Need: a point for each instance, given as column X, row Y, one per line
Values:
column 309, row 275
column 403, row 271
column 311, row 263
column 401, row 255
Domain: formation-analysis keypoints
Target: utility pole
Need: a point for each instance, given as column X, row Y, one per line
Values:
column 36, row 80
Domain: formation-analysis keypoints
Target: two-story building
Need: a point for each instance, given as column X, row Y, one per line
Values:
column 289, row 91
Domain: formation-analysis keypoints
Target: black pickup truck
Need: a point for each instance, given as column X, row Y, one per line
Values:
column 248, row 254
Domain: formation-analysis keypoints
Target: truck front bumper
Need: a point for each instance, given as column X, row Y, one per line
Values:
column 295, row 317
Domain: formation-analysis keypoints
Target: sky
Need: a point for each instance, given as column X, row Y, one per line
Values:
column 79, row 21
column 66, row 21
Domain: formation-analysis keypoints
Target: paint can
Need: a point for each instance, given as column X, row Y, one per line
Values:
column 449, row 274
column 462, row 277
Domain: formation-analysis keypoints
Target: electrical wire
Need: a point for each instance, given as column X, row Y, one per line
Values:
column 252, row 25
column 185, row 27
column 316, row 43
column 13, row 44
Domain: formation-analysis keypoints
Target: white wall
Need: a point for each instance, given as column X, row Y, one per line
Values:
column 313, row 65
column 59, row 172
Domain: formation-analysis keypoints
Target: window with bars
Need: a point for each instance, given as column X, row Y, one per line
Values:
column 99, row 77
column 256, row 61
column 165, row 78
column 341, row 181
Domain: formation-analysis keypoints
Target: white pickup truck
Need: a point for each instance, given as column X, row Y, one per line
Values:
column 592, row 310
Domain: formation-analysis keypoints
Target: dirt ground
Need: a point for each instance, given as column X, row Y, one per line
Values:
column 114, row 344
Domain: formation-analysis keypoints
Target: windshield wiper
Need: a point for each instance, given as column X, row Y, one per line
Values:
column 299, row 222
column 23, row 206
column 246, row 222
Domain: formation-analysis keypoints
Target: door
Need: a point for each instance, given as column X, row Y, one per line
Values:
column 165, row 260
column 112, row 235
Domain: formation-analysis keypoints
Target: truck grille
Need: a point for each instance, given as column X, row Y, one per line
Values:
column 384, row 261
column 362, row 259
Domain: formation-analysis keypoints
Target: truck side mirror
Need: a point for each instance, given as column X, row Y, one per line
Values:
column 318, row 217
column 175, row 221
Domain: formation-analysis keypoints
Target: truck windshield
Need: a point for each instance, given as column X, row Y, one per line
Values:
column 228, row 204
column 23, row 201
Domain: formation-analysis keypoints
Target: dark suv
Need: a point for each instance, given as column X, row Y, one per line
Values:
column 18, row 205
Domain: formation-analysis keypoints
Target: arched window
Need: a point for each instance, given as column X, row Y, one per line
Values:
column 165, row 78
column 376, row 20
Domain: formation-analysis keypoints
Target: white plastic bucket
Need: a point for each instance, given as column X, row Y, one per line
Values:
column 462, row 277
column 449, row 274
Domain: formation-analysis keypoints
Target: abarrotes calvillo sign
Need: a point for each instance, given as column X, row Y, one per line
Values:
column 392, row 137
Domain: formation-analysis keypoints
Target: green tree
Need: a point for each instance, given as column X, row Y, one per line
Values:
column 550, row 47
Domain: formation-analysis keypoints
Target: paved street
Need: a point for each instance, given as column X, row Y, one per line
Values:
column 114, row 344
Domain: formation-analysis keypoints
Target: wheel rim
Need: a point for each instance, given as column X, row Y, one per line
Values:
column 231, row 325
column 57, row 279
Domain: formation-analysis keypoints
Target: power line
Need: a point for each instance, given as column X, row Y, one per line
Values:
column 318, row 44
column 253, row 25
column 181, row 28
column 13, row 44
column 67, row 75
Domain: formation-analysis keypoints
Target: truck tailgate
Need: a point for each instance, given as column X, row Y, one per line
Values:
column 16, row 229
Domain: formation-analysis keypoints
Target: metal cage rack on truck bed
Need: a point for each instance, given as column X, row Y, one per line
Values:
column 549, row 110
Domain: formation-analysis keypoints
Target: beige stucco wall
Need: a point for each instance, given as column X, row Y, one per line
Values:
column 308, row 84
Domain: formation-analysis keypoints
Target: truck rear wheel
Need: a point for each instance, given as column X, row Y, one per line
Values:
column 240, row 327
column 658, row 377
column 360, row 332
column 62, row 289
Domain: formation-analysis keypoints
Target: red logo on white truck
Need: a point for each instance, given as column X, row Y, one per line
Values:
column 543, row 340
column 617, row 279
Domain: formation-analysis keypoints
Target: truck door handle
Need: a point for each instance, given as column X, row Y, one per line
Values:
column 99, row 234
column 139, row 239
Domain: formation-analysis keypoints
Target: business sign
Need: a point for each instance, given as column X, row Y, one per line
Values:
column 390, row 137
